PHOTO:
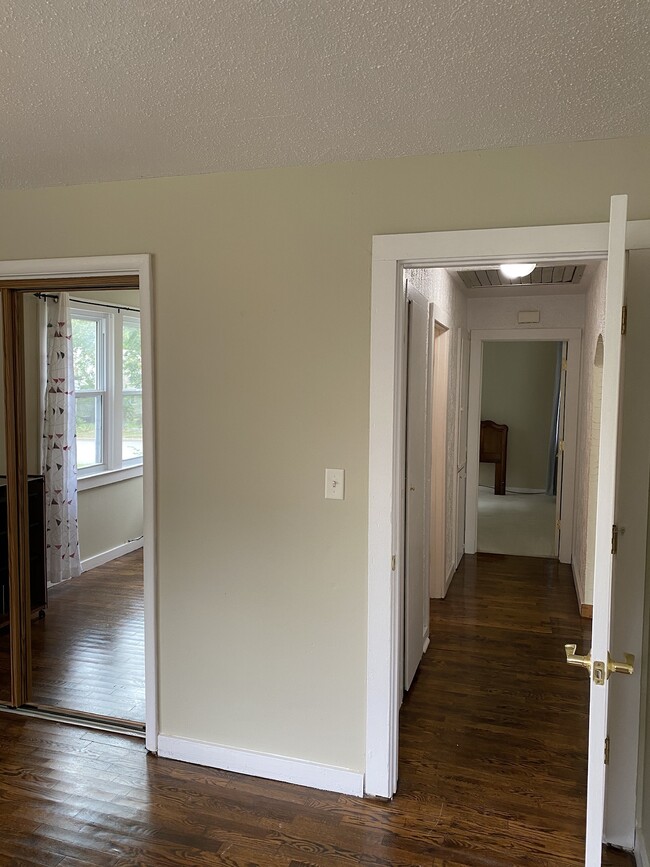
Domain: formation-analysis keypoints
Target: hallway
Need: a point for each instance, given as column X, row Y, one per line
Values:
column 494, row 730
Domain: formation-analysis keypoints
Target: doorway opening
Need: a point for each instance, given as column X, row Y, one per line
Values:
column 521, row 444
column 77, row 639
column 458, row 250
column 522, row 380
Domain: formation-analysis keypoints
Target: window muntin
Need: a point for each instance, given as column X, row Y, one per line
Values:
column 89, row 363
column 108, row 388
column 131, row 390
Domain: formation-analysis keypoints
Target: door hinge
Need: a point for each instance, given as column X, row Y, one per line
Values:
column 565, row 364
column 561, row 445
column 614, row 539
column 393, row 563
column 624, row 319
column 606, row 756
column 558, row 524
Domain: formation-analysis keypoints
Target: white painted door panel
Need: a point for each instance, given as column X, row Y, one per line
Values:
column 461, row 487
column 560, row 448
column 605, row 519
column 416, row 554
column 461, row 458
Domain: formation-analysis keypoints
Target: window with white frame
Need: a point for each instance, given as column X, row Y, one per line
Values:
column 107, row 357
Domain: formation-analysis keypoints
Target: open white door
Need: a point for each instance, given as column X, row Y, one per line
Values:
column 418, row 483
column 599, row 662
column 461, row 427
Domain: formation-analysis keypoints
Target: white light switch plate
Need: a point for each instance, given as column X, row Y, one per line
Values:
column 334, row 484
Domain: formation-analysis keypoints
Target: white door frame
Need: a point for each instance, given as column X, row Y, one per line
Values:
column 98, row 266
column 390, row 254
column 572, row 336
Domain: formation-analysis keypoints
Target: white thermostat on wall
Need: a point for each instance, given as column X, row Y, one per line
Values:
column 527, row 317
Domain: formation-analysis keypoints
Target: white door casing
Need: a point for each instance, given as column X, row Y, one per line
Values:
column 573, row 338
column 390, row 254
column 139, row 264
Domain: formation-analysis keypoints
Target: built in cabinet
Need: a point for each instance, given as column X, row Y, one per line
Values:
column 37, row 560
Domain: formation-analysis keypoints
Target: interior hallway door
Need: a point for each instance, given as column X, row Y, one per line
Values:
column 418, row 483
column 599, row 662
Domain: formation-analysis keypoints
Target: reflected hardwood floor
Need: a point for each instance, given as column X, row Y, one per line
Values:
column 492, row 769
column 88, row 651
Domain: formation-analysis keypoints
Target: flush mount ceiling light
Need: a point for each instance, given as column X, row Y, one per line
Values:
column 517, row 269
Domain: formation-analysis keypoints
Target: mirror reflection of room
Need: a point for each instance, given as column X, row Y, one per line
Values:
column 5, row 659
column 83, row 378
column 521, row 417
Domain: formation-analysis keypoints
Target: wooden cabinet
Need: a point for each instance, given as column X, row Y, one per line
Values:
column 494, row 450
column 37, row 559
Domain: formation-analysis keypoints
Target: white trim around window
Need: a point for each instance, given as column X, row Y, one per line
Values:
column 109, row 393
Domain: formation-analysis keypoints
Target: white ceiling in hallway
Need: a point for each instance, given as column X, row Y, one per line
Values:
column 105, row 89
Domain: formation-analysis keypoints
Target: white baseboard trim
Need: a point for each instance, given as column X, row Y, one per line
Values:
column 510, row 490
column 425, row 646
column 641, row 850
column 526, row 490
column 286, row 770
column 448, row 579
column 107, row 556
column 578, row 588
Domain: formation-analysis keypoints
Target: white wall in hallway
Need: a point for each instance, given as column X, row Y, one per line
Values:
column 555, row 311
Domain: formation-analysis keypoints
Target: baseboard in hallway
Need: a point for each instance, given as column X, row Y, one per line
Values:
column 641, row 850
column 112, row 554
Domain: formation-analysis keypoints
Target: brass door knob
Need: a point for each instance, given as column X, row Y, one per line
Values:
column 575, row 659
column 626, row 667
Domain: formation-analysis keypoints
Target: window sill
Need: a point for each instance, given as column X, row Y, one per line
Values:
column 108, row 477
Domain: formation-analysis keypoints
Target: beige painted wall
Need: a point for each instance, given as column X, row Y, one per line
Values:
column 262, row 324
column 555, row 311
column 518, row 388
column 109, row 516
column 129, row 297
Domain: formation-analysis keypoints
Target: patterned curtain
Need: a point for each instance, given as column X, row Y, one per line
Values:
column 59, row 447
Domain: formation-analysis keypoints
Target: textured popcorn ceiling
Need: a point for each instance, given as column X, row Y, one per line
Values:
column 106, row 89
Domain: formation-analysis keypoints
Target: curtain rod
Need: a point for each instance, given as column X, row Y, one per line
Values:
column 45, row 295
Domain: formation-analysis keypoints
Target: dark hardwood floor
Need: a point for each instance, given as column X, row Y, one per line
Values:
column 88, row 651
column 492, row 771
column 494, row 730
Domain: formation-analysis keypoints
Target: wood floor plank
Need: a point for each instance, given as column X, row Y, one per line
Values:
column 492, row 762
column 88, row 650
